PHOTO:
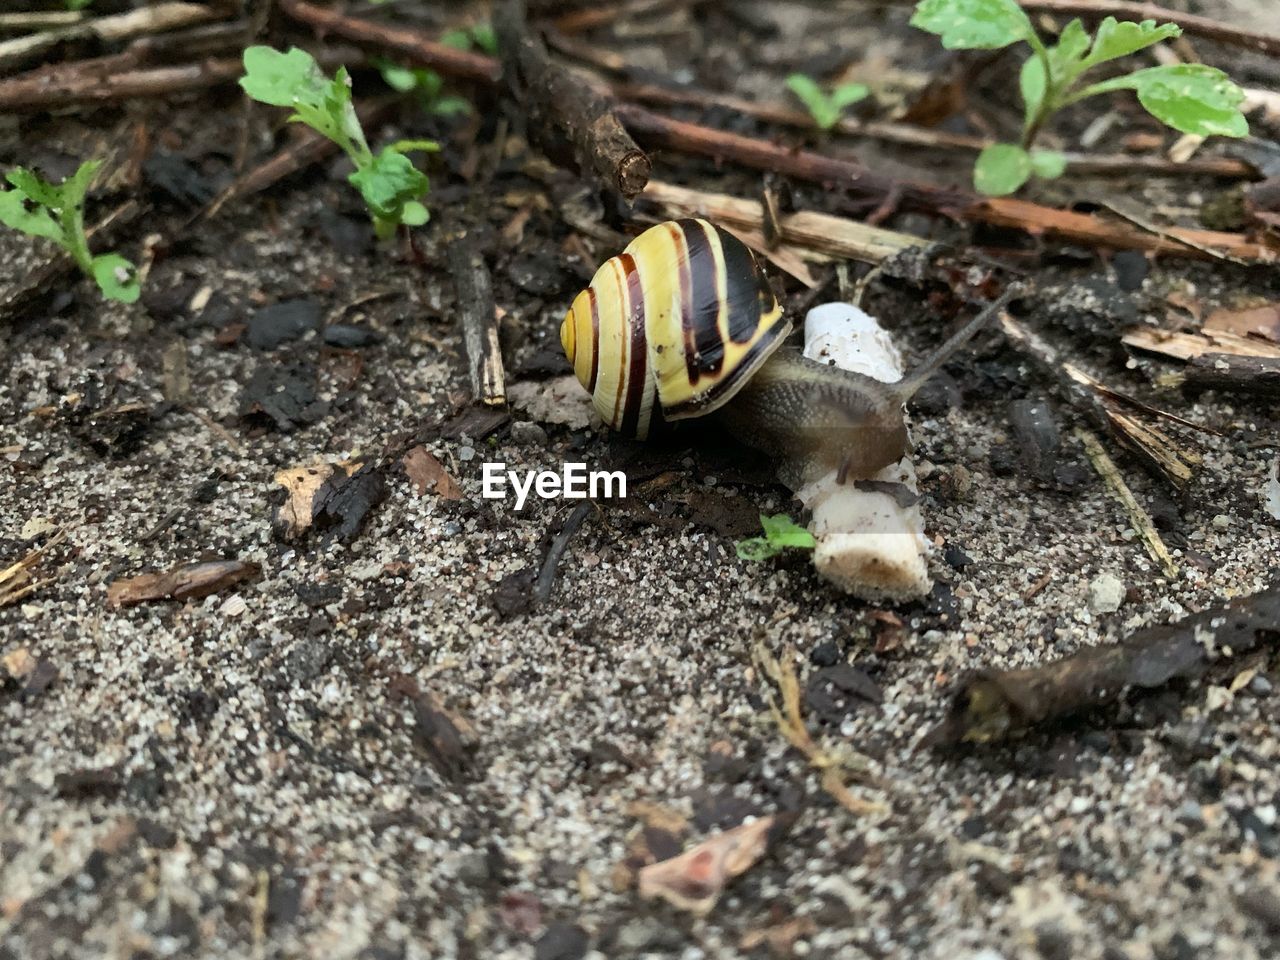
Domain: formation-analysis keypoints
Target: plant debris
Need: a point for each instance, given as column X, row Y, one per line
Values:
column 328, row 496
column 188, row 581
column 695, row 879
column 995, row 704
column 426, row 473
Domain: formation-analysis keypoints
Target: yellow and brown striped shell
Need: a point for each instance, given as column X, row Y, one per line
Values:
column 672, row 327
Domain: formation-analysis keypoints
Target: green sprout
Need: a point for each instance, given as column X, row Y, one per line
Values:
column 1189, row 97
column 39, row 208
column 392, row 187
column 428, row 85
column 824, row 107
column 780, row 533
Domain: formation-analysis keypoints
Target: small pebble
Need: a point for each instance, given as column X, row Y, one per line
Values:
column 1221, row 522
column 1106, row 593
column 528, row 434
column 467, row 454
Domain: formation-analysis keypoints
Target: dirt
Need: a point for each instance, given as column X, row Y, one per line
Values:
column 361, row 753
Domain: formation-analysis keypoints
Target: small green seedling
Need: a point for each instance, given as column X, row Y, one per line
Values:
column 56, row 211
column 825, row 108
column 780, row 533
column 1189, row 97
column 429, row 85
column 392, row 187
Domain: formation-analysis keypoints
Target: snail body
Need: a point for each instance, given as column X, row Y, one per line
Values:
column 684, row 324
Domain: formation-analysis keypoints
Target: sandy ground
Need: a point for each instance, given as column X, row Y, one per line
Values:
column 242, row 776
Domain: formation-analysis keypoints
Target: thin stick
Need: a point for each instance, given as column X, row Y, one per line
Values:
column 559, row 544
column 910, row 135
column 829, row 235
column 1221, row 371
column 1206, row 27
column 410, row 43
column 479, row 321
column 1023, row 215
column 1156, row 452
column 1141, row 519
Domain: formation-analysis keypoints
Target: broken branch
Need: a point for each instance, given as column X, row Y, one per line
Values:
column 562, row 105
column 994, row 704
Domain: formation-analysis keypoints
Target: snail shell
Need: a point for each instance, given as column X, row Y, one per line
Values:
column 672, row 327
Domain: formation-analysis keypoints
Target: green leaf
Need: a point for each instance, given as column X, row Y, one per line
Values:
column 1048, row 164
column 35, row 222
column 1119, row 38
column 847, row 94
column 780, row 533
column 1189, row 97
column 973, row 24
column 281, row 79
column 388, row 182
column 485, row 38
column 808, row 92
column 76, row 187
column 1066, row 57
column 398, row 78
column 117, row 278
column 35, row 188
column 1001, row 169
column 450, row 106
column 414, row 214
column 459, row 39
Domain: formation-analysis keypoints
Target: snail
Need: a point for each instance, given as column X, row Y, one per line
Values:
column 684, row 324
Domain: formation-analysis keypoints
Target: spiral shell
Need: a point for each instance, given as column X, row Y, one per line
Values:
column 672, row 327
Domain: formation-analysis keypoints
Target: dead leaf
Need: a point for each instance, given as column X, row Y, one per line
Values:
column 695, row 879
column 428, row 473
column 186, row 582
column 1261, row 321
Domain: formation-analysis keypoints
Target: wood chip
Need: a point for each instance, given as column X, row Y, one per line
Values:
column 186, row 582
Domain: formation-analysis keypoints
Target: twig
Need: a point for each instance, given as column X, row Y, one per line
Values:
column 1023, row 215
column 70, row 84
column 155, row 18
column 564, row 106
column 543, row 586
column 1155, row 451
column 479, row 320
column 1222, row 371
column 815, row 232
column 1206, row 27
column 790, row 723
column 1141, row 520
column 994, row 704
column 39, row 20
column 910, row 135
column 408, row 43
column 106, row 79
column 1184, row 346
